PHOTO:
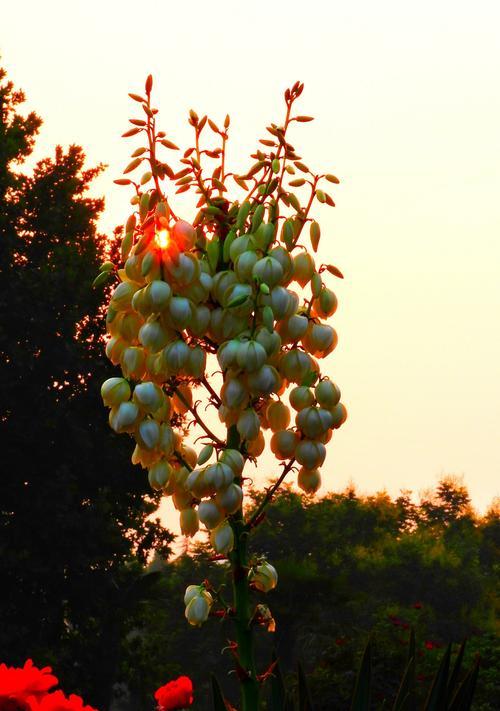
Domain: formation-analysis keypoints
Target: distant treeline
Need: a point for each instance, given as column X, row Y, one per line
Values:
column 76, row 533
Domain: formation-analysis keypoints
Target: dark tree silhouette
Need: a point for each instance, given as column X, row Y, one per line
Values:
column 74, row 528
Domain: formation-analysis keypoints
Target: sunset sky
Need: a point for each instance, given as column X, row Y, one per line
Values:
column 407, row 100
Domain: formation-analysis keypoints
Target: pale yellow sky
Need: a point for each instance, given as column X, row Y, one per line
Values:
column 407, row 101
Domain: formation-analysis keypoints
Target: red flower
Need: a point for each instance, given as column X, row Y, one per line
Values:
column 175, row 695
column 57, row 701
column 28, row 681
column 429, row 644
column 418, row 606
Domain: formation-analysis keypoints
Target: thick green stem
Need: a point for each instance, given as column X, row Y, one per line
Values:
column 244, row 636
column 241, row 600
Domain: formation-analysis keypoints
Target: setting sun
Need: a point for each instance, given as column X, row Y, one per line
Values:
column 162, row 239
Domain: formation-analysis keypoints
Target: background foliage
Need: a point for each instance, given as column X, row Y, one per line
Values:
column 75, row 528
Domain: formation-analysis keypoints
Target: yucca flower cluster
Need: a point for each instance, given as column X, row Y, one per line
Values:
column 235, row 290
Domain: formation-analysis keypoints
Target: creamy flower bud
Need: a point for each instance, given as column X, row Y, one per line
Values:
column 186, row 270
column 268, row 270
column 244, row 264
column 278, row 415
column 234, row 459
column 148, row 434
column 209, row 514
column 219, row 475
column 133, row 362
column 229, row 500
column 198, row 609
column 153, row 336
column 175, row 356
column 196, row 362
column 283, row 257
column 200, row 320
column 148, row 396
column 222, row 538
column 325, row 305
column 114, row 391
column 293, row 329
column 123, row 417
column 158, row 294
column 161, row 472
column 284, row 443
column 295, row 365
column 271, row 342
column 320, row 339
column 121, row 299
column 264, row 577
column 192, row 591
column 221, row 282
column 114, row 349
column 264, row 381
column 278, row 300
column 251, row 355
column 197, row 483
column 189, row 522
column 183, row 235
column 248, row 424
column 166, row 440
column 256, row 446
column 301, row 397
column 327, row 394
column 129, row 326
column 310, row 454
column 238, row 246
column 180, row 311
column 182, row 499
column 146, row 458
column 227, row 354
column 314, row 421
column 309, row 480
column 234, row 394
column 303, row 268
column 339, row 414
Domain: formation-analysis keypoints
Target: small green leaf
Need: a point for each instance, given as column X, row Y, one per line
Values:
column 275, row 165
column 146, row 177
column 106, row 267
column 242, row 214
column 230, row 237
column 257, row 217
column 268, row 318
column 332, row 179
column 126, row 245
column 205, row 454
column 213, row 255
column 131, row 222
column 264, row 289
column 321, row 195
column 132, row 165
column 144, row 205
column 316, row 285
column 101, row 278
column 315, row 234
column 237, row 301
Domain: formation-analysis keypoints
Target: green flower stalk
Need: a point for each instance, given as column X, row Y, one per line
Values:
column 238, row 286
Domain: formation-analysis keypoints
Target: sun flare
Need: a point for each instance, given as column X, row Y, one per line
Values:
column 162, row 239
